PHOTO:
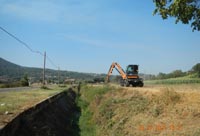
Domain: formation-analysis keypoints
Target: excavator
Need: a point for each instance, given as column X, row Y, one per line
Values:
column 130, row 77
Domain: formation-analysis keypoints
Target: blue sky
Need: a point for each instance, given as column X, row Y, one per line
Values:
column 88, row 35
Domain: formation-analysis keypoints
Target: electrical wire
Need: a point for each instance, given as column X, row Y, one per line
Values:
column 20, row 41
column 52, row 63
column 28, row 47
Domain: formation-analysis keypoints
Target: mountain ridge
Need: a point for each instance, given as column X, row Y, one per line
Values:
column 10, row 71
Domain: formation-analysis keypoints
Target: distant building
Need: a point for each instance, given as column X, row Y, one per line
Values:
column 4, row 79
column 69, row 81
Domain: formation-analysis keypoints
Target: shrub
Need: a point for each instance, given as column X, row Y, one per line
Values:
column 24, row 81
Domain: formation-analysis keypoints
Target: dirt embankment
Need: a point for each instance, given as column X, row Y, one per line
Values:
column 56, row 116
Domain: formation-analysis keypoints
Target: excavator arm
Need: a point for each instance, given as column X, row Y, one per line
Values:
column 118, row 68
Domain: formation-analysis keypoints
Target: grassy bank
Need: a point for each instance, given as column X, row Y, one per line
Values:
column 89, row 94
column 152, row 110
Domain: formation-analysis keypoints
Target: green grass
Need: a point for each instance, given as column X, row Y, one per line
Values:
column 90, row 92
column 88, row 95
column 180, row 80
column 86, row 123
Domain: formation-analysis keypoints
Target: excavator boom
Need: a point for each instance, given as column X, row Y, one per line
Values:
column 118, row 68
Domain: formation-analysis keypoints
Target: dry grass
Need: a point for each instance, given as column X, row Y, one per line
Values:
column 153, row 110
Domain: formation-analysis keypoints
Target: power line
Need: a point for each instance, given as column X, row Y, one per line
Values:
column 20, row 41
column 27, row 46
column 52, row 63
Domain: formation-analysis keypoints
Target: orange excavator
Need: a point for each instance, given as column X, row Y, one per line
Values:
column 130, row 77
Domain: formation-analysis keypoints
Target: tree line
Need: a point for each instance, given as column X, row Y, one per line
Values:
column 194, row 72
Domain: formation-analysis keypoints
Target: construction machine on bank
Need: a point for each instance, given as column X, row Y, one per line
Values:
column 128, row 77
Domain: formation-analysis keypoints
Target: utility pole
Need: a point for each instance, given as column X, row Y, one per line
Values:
column 44, row 68
column 58, row 75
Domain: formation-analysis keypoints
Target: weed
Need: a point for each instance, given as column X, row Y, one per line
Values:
column 157, row 110
column 169, row 96
column 197, row 133
column 110, row 123
column 106, row 110
column 86, row 124
column 87, row 95
column 138, row 103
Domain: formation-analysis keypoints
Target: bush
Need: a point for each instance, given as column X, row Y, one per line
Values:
column 24, row 81
column 45, row 87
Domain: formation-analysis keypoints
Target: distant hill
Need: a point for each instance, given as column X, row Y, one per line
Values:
column 13, row 72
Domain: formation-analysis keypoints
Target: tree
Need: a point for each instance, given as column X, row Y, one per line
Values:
column 98, row 80
column 196, row 69
column 186, row 11
column 161, row 76
column 176, row 73
column 24, row 81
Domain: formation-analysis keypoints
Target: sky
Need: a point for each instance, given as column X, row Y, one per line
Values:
column 88, row 35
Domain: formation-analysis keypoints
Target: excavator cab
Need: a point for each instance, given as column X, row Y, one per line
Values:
column 132, row 70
